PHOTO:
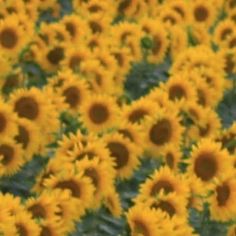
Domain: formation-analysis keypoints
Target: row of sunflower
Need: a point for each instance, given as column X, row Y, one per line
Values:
column 60, row 67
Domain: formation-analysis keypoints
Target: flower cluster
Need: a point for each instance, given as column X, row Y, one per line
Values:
column 66, row 99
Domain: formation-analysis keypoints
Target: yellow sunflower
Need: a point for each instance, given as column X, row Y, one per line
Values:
column 11, row 157
column 143, row 221
column 28, row 136
column 30, row 104
column 164, row 180
column 51, row 228
column 202, row 12
column 101, row 179
column 12, row 36
column 99, row 113
column 139, row 110
column 25, row 225
column 209, row 161
column 222, row 207
column 162, row 129
column 8, row 127
column 123, row 152
column 113, row 203
column 79, row 186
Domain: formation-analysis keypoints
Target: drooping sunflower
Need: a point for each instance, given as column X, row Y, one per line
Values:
column 222, row 205
column 8, row 127
column 209, row 161
column 28, row 136
column 30, row 104
column 123, row 152
column 171, row 204
column 160, row 130
column 143, row 221
column 11, row 157
column 223, row 30
column 172, row 156
column 139, row 110
column 99, row 112
column 164, row 180
column 25, row 225
column 101, row 179
column 113, row 203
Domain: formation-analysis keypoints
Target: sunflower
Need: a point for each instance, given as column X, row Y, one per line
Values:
column 202, row 12
column 11, row 157
column 8, row 127
column 172, row 156
column 25, row 225
column 43, row 207
column 99, row 79
column 179, row 40
column 229, row 61
column 28, row 136
column 209, row 161
column 69, row 209
column 180, row 89
column 101, row 179
column 12, row 37
column 231, row 230
column 222, row 207
column 160, row 130
column 74, row 57
column 181, row 8
column 139, row 110
column 30, row 104
column 226, row 137
column 163, row 180
column 143, row 221
column 127, row 7
column 200, row 35
column 79, row 186
column 171, row 204
column 113, row 203
column 223, row 31
column 99, row 113
column 98, row 25
column 74, row 91
column 51, row 228
column 123, row 152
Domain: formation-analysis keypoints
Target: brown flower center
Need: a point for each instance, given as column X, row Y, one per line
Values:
column 222, row 194
column 165, row 206
column 23, row 136
column 124, row 5
column 157, row 44
column 201, row 97
column 160, row 132
column 170, row 161
column 229, row 67
column 232, row 43
column 120, row 152
column 71, row 185
column 3, row 122
column 93, row 175
column 46, row 231
column 137, row 115
column 176, row 92
column 205, row 166
column 98, row 113
column 94, row 8
column 95, row 27
column 27, row 107
column 126, row 134
column 75, row 62
column 7, row 152
column 37, row 211
column 72, row 96
column 140, row 228
column 71, row 29
column 200, row 13
column 159, row 185
column 119, row 58
column 8, row 38
column 55, row 55
column 21, row 230
column 225, row 33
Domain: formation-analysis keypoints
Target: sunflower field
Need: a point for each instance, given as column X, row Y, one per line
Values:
column 118, row 118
